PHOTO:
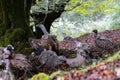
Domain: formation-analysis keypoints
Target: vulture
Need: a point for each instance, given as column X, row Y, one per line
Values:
column 4, row 75
column 18, row 61
column 102, row 42
column 49, row 42
column 47, row 58
column 78, row 60
column 50, row 59
column 33, row 58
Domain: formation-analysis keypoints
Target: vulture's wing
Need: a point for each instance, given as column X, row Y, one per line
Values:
column 19, row 61
column 19, row 56
column 21, row 64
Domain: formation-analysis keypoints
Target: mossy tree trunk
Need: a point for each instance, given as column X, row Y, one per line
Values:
column 15, row 23
column 0, row 15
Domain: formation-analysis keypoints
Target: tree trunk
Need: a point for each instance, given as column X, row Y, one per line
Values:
column 15, row 25
column 1, row 15
column 48, row 19
column 47, row 22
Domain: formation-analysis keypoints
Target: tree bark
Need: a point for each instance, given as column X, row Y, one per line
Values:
column 47, row 22
column 48, row 19
column 15, row 25
column 1, row 15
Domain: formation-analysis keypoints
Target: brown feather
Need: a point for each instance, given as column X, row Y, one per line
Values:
column 20, row 62
column 104, row 44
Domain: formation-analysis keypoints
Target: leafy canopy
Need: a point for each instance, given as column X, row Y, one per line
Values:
column 91, row 7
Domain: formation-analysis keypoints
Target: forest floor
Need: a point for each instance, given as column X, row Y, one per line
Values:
column 107, row 68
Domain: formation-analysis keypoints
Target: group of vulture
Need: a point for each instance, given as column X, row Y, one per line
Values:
column 46, row 52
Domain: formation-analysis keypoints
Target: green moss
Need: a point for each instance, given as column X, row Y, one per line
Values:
column 7, row 37
column 41, row 76
column 16, row 37
column 58, row 74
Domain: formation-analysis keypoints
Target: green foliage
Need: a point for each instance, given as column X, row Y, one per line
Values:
column 91, row 7
column 114, row 57
column 41, row 76
column 72, row 3
column 58, row 74
column 85, row 15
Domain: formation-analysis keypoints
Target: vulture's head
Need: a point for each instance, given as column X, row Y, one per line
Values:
column 95, row 31
column 10, row 47
column 67, row 38
column 8, row 50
